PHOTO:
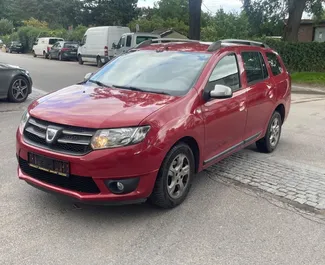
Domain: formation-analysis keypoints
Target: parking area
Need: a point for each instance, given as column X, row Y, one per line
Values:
column 251, row 208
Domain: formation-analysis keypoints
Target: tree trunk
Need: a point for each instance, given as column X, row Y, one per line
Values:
column 195, row 19
column 296, row 9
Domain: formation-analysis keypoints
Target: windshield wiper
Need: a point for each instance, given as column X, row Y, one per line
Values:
column 98, row 83
column 140, row 89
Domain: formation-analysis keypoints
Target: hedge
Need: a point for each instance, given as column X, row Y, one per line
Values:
column 300, row 57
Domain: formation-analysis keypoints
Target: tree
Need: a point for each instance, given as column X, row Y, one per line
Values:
column 6, row 27
column 195, row 19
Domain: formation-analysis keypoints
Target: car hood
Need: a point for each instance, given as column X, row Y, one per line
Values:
column 8, row 66
column 97, row 107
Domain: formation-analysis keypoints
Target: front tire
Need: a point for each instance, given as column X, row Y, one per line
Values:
column 174, row 178
column 34, row 54
column 80, row 61
column 272, row 137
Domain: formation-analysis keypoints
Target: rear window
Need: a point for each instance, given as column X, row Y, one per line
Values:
column 53, row 41
column 144, row 38
column 275, row 64
column 71, row 45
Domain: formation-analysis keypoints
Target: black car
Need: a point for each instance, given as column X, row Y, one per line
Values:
column 15, row 46
column 15, row 83
column 64, row 50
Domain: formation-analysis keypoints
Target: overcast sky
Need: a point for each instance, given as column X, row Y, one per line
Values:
column 208, row 5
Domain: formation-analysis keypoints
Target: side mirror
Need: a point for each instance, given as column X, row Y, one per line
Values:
column 87, row 76
column 220, row 92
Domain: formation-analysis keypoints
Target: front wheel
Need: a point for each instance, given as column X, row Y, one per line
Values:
column 175, row 177
column 80, row 61
column 34, row 54
column 18, row 90
column 272, row 137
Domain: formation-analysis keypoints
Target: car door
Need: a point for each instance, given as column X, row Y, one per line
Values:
column 225, row 119
column 260, row 92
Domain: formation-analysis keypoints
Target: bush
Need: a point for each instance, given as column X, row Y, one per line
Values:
column 6, row 26
column 300, row 57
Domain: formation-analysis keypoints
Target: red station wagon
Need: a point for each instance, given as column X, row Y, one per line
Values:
column 142, row 126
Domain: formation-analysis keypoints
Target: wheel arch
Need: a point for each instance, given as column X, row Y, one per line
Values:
column 281, row 109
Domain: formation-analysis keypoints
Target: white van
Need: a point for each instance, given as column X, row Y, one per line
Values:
column 130, row 40
column 42, row 46
column 97, row 44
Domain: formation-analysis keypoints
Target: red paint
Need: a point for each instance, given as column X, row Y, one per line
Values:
column 216, row 125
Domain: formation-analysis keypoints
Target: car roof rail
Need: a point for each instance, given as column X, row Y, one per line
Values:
column 218, row 44
column 162, row 40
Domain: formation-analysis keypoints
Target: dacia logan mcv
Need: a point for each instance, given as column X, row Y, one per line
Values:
column 142, row 126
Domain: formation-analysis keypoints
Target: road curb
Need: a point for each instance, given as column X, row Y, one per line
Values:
column 299, row 89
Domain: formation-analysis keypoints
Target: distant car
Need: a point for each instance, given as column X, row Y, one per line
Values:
column 64, row 50
column 42, row 46
column 15, row 46
column 15, row 83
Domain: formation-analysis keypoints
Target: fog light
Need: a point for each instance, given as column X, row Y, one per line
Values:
column 120, row 186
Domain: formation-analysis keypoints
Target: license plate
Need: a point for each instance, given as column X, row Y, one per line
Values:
column 49, row 165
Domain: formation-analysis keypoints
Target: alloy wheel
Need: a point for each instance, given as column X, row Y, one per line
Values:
column 275, row 132
column 19, row 89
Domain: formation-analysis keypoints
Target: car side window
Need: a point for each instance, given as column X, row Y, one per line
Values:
column 255, row 67
column 123, row 42
column 275, row 64
column 128, row 41
column 226, row 73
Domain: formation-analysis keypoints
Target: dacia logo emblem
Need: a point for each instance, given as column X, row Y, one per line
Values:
column 51, row 135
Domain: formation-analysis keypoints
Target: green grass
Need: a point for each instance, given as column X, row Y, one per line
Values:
column 312, row 78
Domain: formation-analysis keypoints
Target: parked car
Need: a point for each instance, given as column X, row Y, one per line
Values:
column 15, row 83
column 131, row 40
column 64, row 50
column 97, row 43
column 15, row 46
column 143, row 125
column 42, row 46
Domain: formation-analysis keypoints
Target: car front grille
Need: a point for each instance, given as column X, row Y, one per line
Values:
column 69, row 140
column 73, row 182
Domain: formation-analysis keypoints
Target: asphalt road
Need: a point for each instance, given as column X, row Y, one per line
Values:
column 49, row 75
column 219, row 223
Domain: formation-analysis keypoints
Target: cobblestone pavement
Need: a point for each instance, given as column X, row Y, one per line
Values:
column 300, row 185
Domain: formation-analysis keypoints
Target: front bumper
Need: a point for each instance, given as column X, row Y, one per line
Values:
column 91, row 174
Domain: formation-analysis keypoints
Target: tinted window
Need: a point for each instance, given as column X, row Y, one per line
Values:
column 71, row 45
column 128, row 41
column 226, row 73
column 274, row 63
column 254, row 66
column 169, row 72
column 144, row 38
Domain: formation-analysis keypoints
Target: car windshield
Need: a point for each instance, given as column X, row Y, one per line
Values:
column 171, row 73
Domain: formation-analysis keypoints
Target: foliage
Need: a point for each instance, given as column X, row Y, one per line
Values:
column 32, row 22
column 78, row 33
column 226, row 25
column 6, row 26
column 300, row 57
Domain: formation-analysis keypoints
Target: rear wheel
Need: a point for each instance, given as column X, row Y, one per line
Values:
column 18, row 91
column 34, row 54
column 99, row 62
column 80, row 61
column 272, row 137
column 175, row 177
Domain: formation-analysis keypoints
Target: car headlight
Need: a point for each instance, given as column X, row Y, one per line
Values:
column 23, row 121
column 112, row 138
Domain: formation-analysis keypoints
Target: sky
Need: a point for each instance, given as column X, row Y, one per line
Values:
column 208, row 5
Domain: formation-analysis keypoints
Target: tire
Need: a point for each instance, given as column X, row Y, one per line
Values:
column 272, row 137
column 80, row 61
column 99, row 62
column 23, row 85
column 164, row 195
column 34, row 54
